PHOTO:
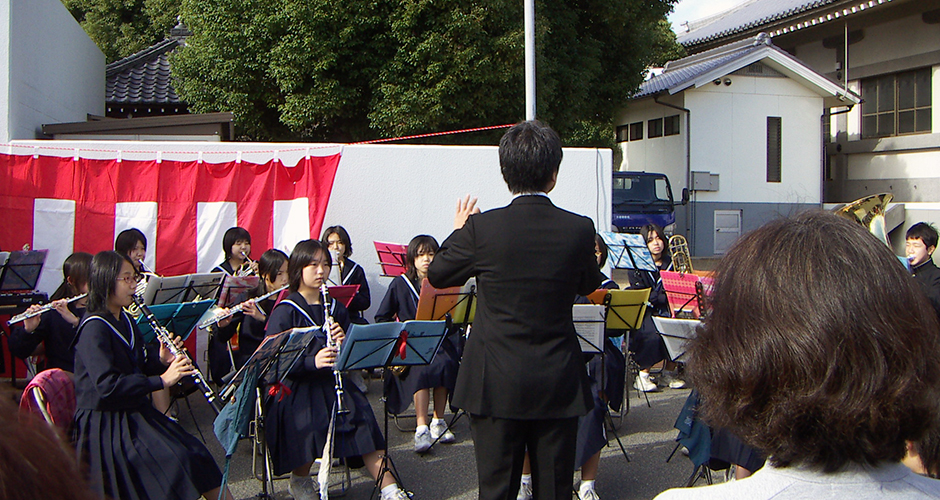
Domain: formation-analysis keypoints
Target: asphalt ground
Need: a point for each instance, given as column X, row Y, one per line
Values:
column 449, row 471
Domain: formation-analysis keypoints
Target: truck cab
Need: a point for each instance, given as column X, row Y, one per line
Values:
column 640, row 198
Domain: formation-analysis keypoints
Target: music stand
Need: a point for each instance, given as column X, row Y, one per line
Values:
column 344, row 293
column 628, row 251
column 625, row 311
column 589, row 321
column 21, row 270
column 183, row 288
column 391, row 344
column 235, row 289
column 392, row 258
column 180, row 319
column 676, row 333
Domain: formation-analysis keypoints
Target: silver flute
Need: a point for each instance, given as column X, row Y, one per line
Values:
column 43, row 308
column 327, row 326
column 235, row 310
column 164, row 336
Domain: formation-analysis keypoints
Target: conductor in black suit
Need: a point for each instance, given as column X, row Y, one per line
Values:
column 522, row 378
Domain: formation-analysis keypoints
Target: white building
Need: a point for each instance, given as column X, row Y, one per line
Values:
column 886, row 51
column 739, row 125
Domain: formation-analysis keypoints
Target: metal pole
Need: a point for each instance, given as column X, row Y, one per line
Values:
column 529, row 59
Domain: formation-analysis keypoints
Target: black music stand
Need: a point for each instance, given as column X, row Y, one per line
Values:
column 183, row 288
column 20, row 273
column 385, row 345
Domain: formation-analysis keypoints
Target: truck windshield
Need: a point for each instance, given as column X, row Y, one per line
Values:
column 640, row 190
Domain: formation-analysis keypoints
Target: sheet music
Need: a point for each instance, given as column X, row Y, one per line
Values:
column 589, row 322
column 628, row 251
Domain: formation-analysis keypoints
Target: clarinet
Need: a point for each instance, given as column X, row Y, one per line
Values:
column 164, row 336
column 337, row 375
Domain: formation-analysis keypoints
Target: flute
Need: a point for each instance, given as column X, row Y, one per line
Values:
column 237, row 309
column 164, row 336
column 327, row 326
column 42, row 309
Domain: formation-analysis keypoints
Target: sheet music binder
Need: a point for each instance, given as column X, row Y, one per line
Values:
column 343, row 293
column 589, row 321
column 391, row 344
column 180, row 318
column 676, row 333
column 434, row 304
column 183, row 288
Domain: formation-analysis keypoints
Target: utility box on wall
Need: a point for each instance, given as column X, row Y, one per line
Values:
column 704, row 181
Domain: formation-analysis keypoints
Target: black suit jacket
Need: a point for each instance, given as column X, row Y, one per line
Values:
column 522, row 360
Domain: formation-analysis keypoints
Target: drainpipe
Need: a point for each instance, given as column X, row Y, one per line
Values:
column 822, row 166
column 689, row 221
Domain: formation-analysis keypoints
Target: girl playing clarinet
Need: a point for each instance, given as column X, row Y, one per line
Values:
column 55, row 330
column 132, row 451
column 401, row 302
column 298, row 418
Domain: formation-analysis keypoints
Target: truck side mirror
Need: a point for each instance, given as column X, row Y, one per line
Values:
column 685, row 196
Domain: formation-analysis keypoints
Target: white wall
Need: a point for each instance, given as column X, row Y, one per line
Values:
column 729, row 127
column 387, row 192
column 660, row 154
column 50, row 71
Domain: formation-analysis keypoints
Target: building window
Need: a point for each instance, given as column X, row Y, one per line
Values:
column 671, row 125
column 622, row 133
column 636, row 131
column 654, row 128
column 896, row 104
column 773, row 149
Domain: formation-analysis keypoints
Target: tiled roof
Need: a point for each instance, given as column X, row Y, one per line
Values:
column 755, row 14
column 143, row 78
column 687, row 69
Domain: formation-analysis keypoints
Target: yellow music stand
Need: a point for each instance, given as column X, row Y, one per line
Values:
column 626, row 308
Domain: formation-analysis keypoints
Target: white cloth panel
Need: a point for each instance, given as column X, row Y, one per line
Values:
column 291, row 223
column 53, row 230
column 212, row 220
column 143, row 216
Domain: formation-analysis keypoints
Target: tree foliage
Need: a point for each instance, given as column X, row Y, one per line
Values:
column 122, row 27
column 364, row 69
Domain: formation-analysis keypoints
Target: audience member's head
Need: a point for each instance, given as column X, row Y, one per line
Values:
column 529, row 157
column 820, row 350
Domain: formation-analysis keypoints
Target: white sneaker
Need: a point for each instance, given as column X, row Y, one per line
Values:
column 439, row 430
column 422, row 439
column 301, row 487
column 525, row 491
column 644, row 384
column 397, row 494
column 672, row 378
column 589, row 494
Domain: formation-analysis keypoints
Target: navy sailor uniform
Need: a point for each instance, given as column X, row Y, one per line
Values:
column 55, row 332
column 353, row 274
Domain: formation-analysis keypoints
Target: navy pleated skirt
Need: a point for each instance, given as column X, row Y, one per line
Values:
column 142, row 455
column 442, row 372
column 592, row 437
column 296, row 425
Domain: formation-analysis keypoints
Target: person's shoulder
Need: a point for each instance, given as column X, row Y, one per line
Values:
column 930, row 488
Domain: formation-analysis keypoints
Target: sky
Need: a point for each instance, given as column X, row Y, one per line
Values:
column 692, row 10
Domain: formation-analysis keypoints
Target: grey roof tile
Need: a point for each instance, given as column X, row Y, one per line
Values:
column 749, row 15
column 144, row 77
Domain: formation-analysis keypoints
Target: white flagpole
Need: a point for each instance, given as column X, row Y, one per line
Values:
column 529, row 59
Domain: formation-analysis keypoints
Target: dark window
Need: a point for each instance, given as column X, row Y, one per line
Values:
column 773, row 149
column 622, row 133
column 671, row 125
column 636, row 131
column 896, row 104
column 654, row 128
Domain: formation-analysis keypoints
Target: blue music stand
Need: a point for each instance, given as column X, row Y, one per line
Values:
column 628, row 251
column 180, row 319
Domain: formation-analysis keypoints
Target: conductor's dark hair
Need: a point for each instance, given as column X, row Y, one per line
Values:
column 603, row 249
column 820, row 350
column 419, row 245
column 925, row 232
column 231, row 236
column 529, row 155
column 343, row 236
column 76, row 266
column 269, row 264
column 105, row 268
column 305, row 253
column 127, row 239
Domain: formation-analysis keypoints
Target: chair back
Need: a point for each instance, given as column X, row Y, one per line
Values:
column 51, row 395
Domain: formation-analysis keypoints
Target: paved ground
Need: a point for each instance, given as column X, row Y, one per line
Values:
column 449, row 471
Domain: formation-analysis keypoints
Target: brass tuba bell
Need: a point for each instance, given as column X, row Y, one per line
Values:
column 870, row 212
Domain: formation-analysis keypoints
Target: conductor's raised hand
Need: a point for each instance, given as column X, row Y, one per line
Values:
column 326, row 357
column 179, row 368
column 465, row 208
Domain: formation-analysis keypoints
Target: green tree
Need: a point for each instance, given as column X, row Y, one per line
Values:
column 122, row 27
column 318, row 70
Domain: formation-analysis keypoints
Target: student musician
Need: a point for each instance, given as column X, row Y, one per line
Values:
column 131, row 450
column 646, row 344
column 132, row 244
column 55, row 329
column 401, row 303
column 298, row 418
column 920, row 244
column 236, row 244
column 272, row 269
column 351, row 273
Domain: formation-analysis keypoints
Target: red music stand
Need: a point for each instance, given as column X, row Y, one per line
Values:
column 392, row 258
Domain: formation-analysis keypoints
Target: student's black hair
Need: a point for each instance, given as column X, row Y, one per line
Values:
column 529, row 155
column 305, row 253
column 343, row 236
column 232, row 235
column 924, row 232
column 419, row 245
column 127, row 239
column 602, row 247
column 269, row 264
column 76, row 266
column 102, row 278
